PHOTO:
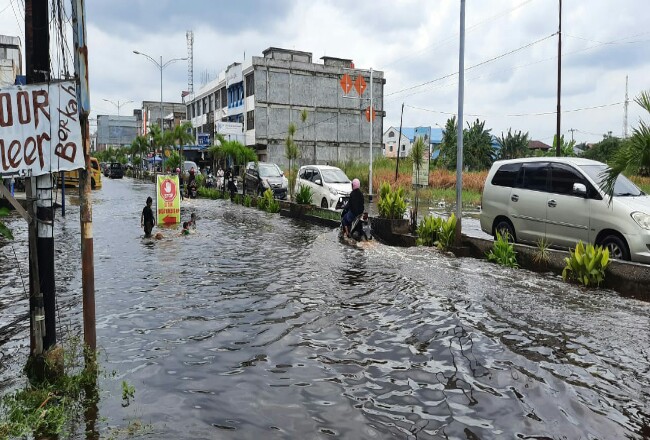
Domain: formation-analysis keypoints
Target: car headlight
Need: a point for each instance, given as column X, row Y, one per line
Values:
column 266, row 184
column 334, row 192
column 642, row 219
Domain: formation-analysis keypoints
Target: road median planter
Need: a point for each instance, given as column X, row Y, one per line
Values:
column 394, row 232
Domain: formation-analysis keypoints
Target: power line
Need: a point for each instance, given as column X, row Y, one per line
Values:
column 474, row 66
column 568, row 111
column 454, row 36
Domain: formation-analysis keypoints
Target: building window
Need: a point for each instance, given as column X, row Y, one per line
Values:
column 391, row 134
column 250, row 85
column 250, row 120
column 403, row 147
column 391, row 149
column 224, row 97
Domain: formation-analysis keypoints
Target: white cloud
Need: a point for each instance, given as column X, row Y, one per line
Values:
column 413, row 41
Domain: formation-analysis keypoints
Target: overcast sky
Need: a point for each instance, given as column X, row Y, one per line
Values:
column 510, row 58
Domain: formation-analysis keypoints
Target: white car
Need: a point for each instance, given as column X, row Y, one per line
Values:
column 330, row 186
column 561, row 199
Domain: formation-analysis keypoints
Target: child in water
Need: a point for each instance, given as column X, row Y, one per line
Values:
column 186, row 229
column 192, row 222
column 147, row 219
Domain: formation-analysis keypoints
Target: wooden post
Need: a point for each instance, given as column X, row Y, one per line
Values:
column 85, row 202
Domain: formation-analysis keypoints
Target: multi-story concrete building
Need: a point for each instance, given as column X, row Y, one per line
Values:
column 255, row 101
column 11, row 60
column 116, row 131
column 172, row 113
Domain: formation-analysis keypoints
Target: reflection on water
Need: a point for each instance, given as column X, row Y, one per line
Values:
column 260, row 327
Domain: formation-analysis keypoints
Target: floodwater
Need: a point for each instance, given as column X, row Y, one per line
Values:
column 258, row 326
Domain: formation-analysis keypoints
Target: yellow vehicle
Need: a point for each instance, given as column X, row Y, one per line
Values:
column 72, row 177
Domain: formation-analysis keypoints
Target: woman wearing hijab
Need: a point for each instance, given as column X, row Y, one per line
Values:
column 353, row 208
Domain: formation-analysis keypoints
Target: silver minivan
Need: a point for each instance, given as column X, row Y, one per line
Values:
column 561, row 200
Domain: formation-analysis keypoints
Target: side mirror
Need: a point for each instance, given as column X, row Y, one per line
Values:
column 318, row 182
column 579, row 189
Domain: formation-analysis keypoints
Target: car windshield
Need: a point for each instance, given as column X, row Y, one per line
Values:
column 623, row 187
column 269, row 170
column 334, row 175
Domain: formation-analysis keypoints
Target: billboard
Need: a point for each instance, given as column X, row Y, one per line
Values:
column 40, row 131
column 168, row 200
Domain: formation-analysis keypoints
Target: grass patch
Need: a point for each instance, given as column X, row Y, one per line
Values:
column 326, row 214
column 642, row 182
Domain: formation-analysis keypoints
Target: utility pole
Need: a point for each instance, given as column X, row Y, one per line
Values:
column 85, row 202
column 459, row 152
column 42, row 301
column 399, row 141
column 558, row 146
column 572, row 130
column 372, row 109
column 627, row 102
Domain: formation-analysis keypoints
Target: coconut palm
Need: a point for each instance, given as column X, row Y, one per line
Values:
column 513, row 146
column 634, row 155
column 139, row 148
column 181, row 135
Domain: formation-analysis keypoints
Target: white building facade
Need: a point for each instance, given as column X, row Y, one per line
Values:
column 392, row 143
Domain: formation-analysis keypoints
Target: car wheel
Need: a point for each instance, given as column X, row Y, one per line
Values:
column 324, row 204
column 617, row 247
column 504, row 227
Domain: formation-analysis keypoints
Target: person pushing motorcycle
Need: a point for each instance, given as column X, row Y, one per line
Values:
column 353, row 208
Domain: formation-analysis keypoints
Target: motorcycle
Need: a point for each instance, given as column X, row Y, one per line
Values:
column 191, row 190
column 359, row 229
column 209, row 181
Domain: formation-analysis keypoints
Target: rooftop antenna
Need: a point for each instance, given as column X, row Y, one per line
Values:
column 190, row 61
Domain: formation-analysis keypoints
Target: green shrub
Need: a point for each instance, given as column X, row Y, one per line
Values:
column 247, row 201
column 209, row 193
column 428, row 230
column 200, row 180
column 436, row 231
column 447, row 233
column 586, row 264
column 541, row 255
column 237, row 199
column 304, row 195
column 503, row 252
column 391, row 203
column 128, row 173
column 268, row 203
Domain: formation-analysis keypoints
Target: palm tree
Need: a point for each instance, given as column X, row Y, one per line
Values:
column 181, row 135
column 634, row 155
column 216, row 151
column 478, row 153
column 449, row 147
column 513, row 146
column 417, row 152
column 139, row 148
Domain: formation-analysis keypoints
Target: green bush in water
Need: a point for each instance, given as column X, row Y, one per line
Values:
column 391, row 203
column 503, row 252
column 267, row 202
column 436, row 231
column 586, row 264
column 304, row 195
column 247, row 201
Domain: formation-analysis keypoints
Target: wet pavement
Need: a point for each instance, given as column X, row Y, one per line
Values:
column 258, row 326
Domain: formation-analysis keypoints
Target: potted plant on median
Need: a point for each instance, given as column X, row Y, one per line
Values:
column 392, row 207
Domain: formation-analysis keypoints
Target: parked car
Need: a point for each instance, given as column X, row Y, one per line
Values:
column 561, row 199
column 115, row 170
column 260, row 176
column 187, row 166
column 331, row 187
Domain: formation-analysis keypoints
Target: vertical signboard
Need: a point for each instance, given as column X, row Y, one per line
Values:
column 168, row 204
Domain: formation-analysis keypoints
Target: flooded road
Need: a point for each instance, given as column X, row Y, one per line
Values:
column 257, row 326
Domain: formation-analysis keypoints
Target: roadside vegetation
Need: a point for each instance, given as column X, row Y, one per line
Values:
column 586, row 264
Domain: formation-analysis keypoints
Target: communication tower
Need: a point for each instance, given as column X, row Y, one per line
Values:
column 190, row 61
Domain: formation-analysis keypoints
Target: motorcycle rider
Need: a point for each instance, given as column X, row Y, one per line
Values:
column 353, row 208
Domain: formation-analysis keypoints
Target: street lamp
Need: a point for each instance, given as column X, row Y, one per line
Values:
column 118, row 105
column 160, row 66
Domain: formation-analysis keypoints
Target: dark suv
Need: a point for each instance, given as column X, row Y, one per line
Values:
column 261, row 176
column 115, row 170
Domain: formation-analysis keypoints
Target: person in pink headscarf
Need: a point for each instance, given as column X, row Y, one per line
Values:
column 353, row 208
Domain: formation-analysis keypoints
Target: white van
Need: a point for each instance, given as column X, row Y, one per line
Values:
column 561, row 199
column 330, row 186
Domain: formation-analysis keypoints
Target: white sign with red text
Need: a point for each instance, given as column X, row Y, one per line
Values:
column 40, row 131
